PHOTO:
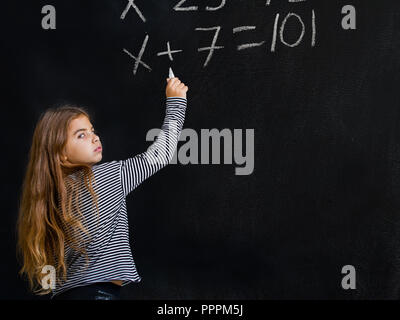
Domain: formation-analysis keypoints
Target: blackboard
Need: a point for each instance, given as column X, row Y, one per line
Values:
column 325, row 186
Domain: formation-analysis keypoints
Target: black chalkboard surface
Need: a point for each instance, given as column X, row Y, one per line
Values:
column 312, row 107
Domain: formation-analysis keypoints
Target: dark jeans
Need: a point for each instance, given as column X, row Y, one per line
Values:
column 94, row 291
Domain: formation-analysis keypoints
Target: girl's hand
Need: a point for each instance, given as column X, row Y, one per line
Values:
column 175, row 88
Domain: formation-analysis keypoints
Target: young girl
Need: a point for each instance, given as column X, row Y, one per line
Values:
column 73, row 215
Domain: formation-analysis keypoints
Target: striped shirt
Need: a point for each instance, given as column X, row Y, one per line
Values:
column 109, row 252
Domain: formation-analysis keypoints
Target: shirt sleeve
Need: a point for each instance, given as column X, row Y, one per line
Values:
column 136, row 169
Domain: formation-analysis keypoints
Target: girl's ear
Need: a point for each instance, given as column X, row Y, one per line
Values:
column 63, row 157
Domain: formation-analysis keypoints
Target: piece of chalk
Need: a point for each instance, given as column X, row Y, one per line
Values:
column 171, row 74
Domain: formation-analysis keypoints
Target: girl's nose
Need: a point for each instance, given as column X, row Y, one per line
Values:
column 95, row 136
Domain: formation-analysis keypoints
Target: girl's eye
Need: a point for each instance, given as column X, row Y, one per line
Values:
column 94, row 132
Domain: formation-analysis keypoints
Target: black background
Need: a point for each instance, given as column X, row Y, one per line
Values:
column 325, row 190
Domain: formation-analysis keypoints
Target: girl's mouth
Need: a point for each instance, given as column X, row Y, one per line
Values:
column 97, row 149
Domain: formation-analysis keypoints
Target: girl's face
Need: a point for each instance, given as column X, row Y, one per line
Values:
column 82, row 143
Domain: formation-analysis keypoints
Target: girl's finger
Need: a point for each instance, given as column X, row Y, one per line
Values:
column 175, row 84
column 173, row 81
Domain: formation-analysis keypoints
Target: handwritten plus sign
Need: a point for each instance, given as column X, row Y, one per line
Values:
column 168, row 52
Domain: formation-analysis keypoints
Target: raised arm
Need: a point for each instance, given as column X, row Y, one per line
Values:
column 140, row 167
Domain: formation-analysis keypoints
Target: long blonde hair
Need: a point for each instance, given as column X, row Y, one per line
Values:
column 47, row 218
